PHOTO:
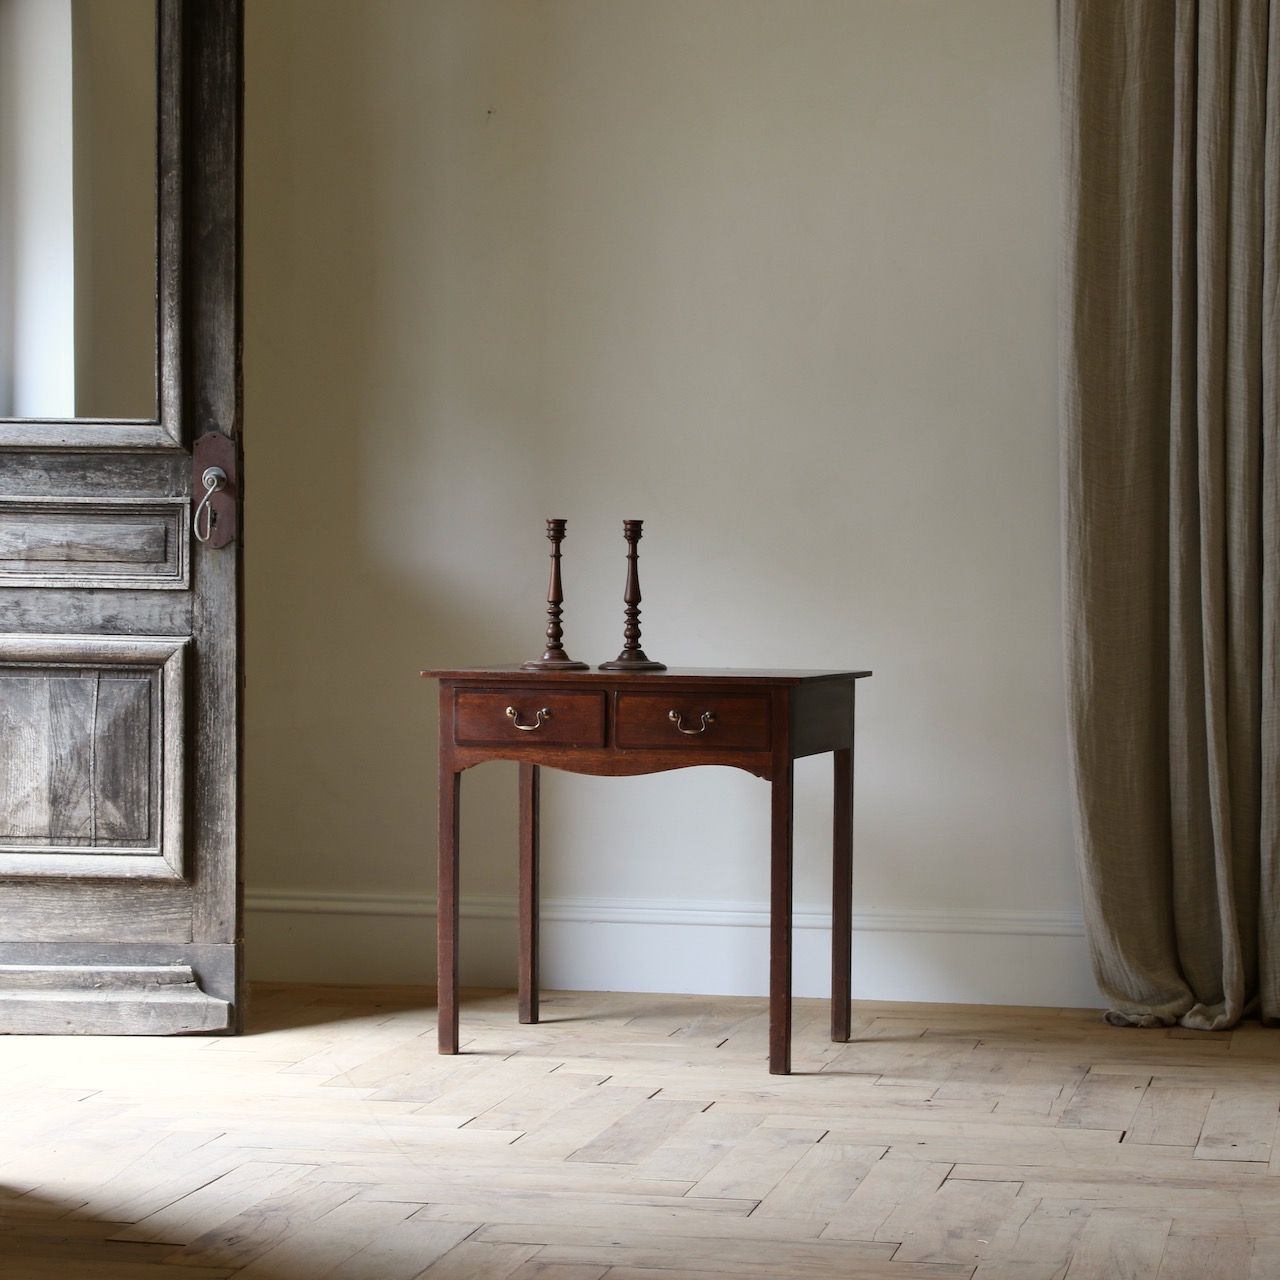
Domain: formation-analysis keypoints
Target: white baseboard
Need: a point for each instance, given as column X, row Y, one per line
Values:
column 950, row 955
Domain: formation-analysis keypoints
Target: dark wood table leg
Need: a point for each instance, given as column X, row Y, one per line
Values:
column 447, row 907
column 842, row 898
column 780, row 894
column 530, row 814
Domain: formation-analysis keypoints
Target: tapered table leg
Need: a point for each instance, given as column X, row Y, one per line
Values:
column 842, row 898
column 447, row 908
column 780, row 895
column 530, row 813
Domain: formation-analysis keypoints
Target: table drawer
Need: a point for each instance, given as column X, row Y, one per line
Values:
column 727, row 721
column 485, row 717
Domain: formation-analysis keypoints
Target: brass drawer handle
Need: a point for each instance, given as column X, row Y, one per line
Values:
column 538, row 718
column 708, row 718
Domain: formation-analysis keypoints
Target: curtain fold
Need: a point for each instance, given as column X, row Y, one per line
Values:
column 1170, row 343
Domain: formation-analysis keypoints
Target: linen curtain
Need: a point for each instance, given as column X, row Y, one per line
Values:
column 1171, row 474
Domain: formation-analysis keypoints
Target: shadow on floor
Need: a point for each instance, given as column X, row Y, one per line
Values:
column 45, row 1238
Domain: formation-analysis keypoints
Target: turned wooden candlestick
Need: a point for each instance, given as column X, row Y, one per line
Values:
column 632, row 657
column 554, row 657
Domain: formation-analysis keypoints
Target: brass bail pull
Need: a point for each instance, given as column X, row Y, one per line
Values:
column 539, row 716
column 707, row 718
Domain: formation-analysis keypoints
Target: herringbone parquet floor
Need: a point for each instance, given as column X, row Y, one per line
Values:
column 635, row 1137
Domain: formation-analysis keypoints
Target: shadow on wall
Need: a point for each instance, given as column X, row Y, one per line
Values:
column 758, row 277
column 400, row 448
column 340, row 752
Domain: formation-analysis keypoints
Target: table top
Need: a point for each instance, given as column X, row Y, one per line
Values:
column 673, row 675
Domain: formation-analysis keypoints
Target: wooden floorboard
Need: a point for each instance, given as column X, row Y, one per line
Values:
column 633, row 1137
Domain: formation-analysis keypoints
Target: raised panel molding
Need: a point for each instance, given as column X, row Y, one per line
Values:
column 103, row 543
column 92, row 768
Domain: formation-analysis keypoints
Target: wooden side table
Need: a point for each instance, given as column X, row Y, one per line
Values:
column 626, row 723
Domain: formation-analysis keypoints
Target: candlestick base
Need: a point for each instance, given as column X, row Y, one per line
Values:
column 554, row 663
column 632, row 660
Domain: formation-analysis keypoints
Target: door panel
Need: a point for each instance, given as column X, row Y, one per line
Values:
column 95, row 542
column 92, row 779
column 120, row 670
column 81, row 761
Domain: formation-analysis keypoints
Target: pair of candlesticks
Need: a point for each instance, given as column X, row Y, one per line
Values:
column 632, row 657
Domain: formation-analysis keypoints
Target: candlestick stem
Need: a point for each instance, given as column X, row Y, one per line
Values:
column 554, row 656
column 632, row 657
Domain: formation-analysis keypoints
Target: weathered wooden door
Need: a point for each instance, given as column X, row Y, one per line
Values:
column 119, row 658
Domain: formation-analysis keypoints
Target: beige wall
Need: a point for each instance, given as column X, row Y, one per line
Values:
column 77, row 208
column 114, row 54
column 777, row 276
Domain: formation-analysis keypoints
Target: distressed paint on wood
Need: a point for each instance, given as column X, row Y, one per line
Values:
column 99, row 510
column 39, row 910
column 96, row 758
column 212, row 299
column 105, row 1000
column 38, row 538
column 91, row 475
column 81, row 765
column 97, row 613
